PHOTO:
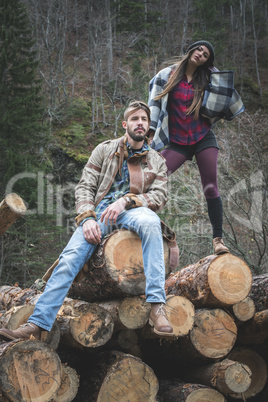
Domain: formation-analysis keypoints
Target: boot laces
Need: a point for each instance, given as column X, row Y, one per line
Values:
column 161, row 310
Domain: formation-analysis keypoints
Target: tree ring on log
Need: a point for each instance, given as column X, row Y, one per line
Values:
column 134, row 312
column 125, row 262
column 237, row 378
column 30, row 371
column 180, row 313
column 229, row 279
column 214, row 333
column 129, row 379
column 93, row 325
column 258, row 368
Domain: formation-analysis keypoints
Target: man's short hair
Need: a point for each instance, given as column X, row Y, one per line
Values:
column 136, row 105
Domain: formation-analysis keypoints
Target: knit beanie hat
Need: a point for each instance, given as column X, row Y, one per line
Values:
column 205, row 43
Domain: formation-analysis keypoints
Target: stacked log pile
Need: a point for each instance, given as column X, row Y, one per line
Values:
column 101, row 347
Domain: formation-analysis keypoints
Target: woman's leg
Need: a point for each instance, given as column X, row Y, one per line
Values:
column 173, row 160
column 207, row 164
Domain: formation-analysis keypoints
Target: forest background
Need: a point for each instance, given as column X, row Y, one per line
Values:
column 68, row 68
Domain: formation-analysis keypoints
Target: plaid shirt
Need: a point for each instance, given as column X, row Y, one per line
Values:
column 120, row 186
column 183, row 128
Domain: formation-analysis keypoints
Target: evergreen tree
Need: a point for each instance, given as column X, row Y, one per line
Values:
column 21, row 107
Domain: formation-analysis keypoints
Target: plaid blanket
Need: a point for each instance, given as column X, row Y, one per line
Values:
column 221, row 100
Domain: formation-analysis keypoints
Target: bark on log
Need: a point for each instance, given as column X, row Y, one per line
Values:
column 244, row 310
column 180, row 313
column 254, row 331
column 11, row 208
column 120, row 377
column 11, row 296
column 257, row 366
column 227, row 376
column 214, row 281
column 115, row 269
column 185, row 392
column 259, row 292
column 69, row 385
column 84, row 324
column 29, row 371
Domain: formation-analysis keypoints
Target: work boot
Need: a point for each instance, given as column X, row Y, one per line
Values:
column 219, row 246
column 24, row 331
column 159, row 321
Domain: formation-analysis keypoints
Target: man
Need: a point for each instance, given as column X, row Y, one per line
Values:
column 122, row 185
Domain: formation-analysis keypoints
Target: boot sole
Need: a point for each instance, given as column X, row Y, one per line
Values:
column 158, row 332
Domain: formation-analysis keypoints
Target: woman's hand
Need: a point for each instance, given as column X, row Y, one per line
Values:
column 150, row 135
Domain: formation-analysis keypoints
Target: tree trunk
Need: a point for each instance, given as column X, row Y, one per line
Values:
column 259, row 292
column 29, row 371
column 227, row 376
column 214, row 281
column 84, row 324
column 11, row 296
column 254, row 331
column 257, row 366
column 120, row 377
column 185, row 392
column 116, row 269
column 69, row 385
column 11, row 208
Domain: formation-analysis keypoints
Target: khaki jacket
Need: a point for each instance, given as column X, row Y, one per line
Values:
column 147, row 171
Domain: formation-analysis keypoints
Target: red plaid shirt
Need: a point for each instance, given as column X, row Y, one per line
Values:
column 183, row 129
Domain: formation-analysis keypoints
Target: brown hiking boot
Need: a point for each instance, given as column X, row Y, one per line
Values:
column 219, row 246
column 159, row 321
column 24, row 331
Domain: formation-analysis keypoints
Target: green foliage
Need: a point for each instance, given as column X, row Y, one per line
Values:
column 21, row 108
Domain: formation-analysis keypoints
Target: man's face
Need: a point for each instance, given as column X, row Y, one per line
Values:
column 137, row 125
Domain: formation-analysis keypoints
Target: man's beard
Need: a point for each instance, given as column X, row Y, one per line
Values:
column 136, row 137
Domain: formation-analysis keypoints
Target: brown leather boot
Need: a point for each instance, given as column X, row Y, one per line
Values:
column 159, row 321
column 219, row 246
column 24, row 331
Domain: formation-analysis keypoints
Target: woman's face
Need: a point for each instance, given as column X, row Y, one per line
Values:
column 199, row 56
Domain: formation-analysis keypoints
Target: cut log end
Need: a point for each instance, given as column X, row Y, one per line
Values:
column 229, row 278
column 204, row 395
column 244, row 310
column 257, row 366
column 11, row 208
column 124, row 262
column 30, row 371
column 129, row 380
column 238, row 377
column 134, row 312
column 214, row 333
column 69, row 385
column 92, row 326
column 180, row 313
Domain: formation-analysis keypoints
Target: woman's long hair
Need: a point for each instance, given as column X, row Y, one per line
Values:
column 201, row 79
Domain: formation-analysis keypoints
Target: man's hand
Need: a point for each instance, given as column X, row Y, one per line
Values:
column 92, row 232
column 111, row 213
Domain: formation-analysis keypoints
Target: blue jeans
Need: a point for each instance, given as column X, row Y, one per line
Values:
column 145, row 223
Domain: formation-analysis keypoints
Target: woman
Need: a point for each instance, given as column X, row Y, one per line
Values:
column 176, row 94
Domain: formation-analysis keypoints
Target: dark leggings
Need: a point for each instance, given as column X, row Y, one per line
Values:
column 207, row 165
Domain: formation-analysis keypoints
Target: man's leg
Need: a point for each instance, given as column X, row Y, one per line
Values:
column 71, row 261
column 147, row 225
